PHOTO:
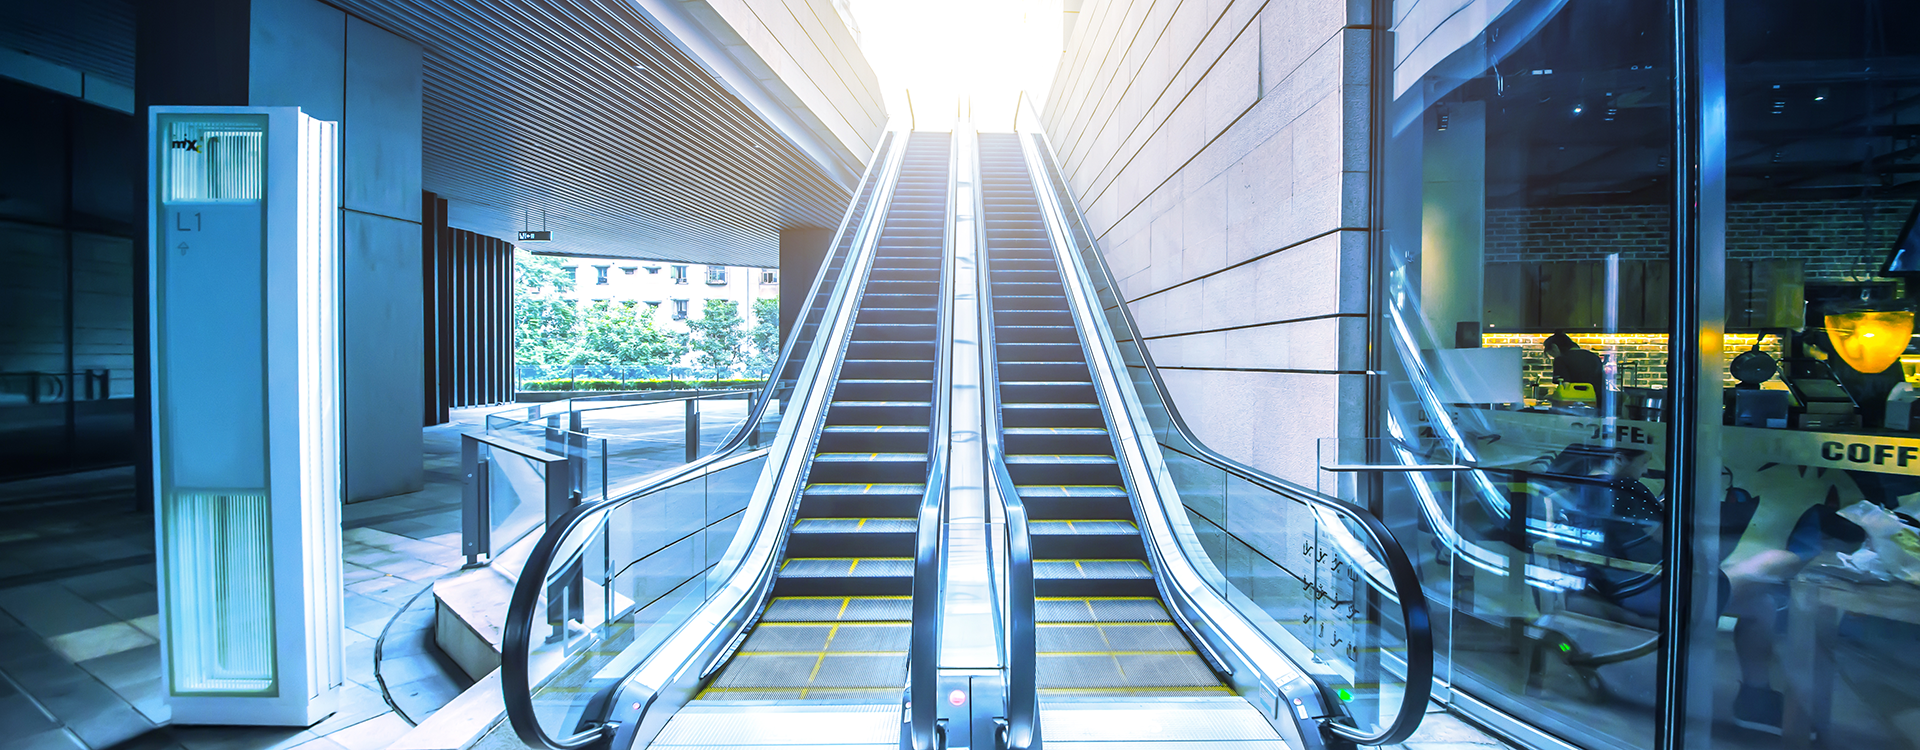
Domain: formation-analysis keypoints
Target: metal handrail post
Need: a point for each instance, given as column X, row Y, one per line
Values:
column 693, row 429
column 475, row 501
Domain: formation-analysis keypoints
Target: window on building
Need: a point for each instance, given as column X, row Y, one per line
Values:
column 679, row 309
column 652, row 269
column 679, row 274
column 628, row 269
column 769, row 277
column 716, row 275
column 600, row 274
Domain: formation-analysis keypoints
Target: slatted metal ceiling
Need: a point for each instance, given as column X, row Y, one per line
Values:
column 582, row 109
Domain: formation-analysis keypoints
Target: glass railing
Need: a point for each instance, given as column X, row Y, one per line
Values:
column 617, row 575
column 1319, row 576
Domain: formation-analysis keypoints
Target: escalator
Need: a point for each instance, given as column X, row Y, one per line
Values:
column 1101, row 629
column 1117, row 602
column 1111, row 663
column 837, row 627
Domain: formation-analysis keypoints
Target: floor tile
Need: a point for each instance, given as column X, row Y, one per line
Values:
column 112, row 725
column 133, row 605
column 107, row 584
column 352, row 573
column 95, row 642
column 126, row 668
column 49, row 609
column 241, row 738
column 19, row 715
column 57, row 739
column 373, row 734
column 358, row 703
column 149, row 624
column 367, row 615
column 317, row 743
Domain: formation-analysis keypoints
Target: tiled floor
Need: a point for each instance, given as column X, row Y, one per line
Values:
column 79, row 660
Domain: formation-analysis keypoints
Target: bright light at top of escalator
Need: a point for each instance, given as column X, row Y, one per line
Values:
column 951, row 52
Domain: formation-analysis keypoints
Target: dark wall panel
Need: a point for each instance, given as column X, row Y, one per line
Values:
column 467, row 283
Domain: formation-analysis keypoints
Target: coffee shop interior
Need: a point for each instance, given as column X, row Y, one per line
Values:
column 1530, row 185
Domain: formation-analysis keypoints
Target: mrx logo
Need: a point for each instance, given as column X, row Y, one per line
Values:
column 190, row 145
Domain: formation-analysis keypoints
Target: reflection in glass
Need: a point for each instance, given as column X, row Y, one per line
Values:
column 1817, row 624
column 1527, row 224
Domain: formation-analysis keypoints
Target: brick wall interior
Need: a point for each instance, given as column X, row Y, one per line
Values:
column 1839, row 240
column 1639, row 359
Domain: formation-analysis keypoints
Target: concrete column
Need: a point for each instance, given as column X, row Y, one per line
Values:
column 801, row 250
column 334, row 66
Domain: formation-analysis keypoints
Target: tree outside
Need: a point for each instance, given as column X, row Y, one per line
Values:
column 765, row 335
column 718, row 339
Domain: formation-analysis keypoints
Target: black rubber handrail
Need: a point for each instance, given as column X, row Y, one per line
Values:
column 516, row 639
column 1403, row 577
column 1023, row 690
column 923, row 667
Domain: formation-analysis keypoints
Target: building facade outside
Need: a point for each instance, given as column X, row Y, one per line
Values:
column 675, row 290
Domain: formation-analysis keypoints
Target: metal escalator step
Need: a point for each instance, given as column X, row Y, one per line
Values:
column 847, row 567
column 1053, row 430
column 868, row 488
column 1044, row 406
column 1100, row 609
column 1089, row 527
column 1059, row 459
column 1132, row 570
column 1036, row 491
column 838, row 609
column 857, row 526
column 865, row 458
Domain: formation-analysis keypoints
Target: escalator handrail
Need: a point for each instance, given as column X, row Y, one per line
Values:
column 516, row 637
column 1023, row 693
column 1404, row 578
column 923, row 670
column 1023, row 690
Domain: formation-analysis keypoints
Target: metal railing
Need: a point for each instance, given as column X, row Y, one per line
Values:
column 581, row 450
column 1370, row 638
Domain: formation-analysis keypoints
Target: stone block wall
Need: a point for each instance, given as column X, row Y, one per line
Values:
column 1219, row 153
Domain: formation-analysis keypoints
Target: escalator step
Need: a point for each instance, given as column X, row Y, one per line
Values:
column 857, row 526
column 1041, row 491
column 848, row 567
column 1082, row 527
column 1089, row 570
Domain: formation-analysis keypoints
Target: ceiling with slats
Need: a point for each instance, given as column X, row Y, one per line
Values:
column 582, row 111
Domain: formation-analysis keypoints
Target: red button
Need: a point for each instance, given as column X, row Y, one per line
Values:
column 957, row 697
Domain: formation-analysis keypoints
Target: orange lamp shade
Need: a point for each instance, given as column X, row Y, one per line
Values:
column 1870, row 341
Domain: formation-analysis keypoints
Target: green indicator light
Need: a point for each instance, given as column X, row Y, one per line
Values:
column 1344, row 695
column 1565, row 647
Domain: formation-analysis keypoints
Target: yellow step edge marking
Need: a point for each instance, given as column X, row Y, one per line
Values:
column 838, row 653
column 1142, row 689
column 1109, row 653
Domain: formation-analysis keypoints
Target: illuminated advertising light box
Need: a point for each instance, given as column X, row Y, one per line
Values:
column 244, row 284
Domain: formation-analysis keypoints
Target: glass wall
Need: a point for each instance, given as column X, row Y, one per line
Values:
column 1819, row 637
column 67, row 203
column 1528, row 249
